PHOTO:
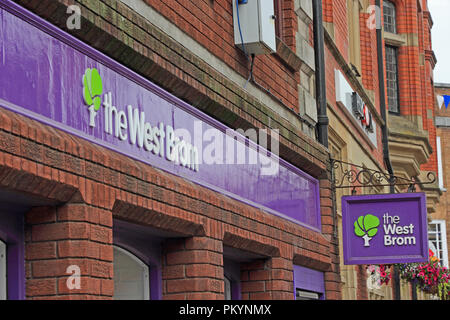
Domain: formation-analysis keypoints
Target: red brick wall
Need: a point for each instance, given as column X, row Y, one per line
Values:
column 70, row 235
column 193, row 269
column 210, row 23
column 289, row 23
column 369, row 64
column 416, row 64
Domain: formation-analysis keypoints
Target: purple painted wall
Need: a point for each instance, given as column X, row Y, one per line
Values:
column 309, row 280
column 12, row 233
column 41, row 74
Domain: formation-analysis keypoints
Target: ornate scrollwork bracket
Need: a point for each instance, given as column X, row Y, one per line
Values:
column 349, row 175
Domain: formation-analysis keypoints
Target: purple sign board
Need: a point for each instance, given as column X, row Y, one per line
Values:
column 48, row 75
column 384, row 228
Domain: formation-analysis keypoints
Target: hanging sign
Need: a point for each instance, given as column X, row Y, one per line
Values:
column 384, row 228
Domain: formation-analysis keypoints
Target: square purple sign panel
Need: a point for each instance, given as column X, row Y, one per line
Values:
column 385, row 228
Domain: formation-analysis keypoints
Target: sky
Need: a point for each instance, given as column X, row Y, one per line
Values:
column 440, row 35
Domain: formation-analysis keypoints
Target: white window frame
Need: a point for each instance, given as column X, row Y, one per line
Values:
column 439, row 162
column 441, row 241
column 144, row 266
column 3, row 265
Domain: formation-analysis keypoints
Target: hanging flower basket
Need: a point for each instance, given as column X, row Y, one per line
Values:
column 431, row 289
column 430, row 277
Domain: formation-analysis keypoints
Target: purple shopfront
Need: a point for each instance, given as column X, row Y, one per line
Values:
column 49, row 76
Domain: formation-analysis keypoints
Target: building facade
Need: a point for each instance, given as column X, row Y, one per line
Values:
column 102, row 193
column 362, row 138
column 351, row 68
column 439, row 225
column 409, row 64
column 163, row 150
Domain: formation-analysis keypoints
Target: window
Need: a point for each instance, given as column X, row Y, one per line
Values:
column 131, row 277
column 389, row 17
column 392, row 79
column 232, row 279
column 2, row 270
column 437, row 236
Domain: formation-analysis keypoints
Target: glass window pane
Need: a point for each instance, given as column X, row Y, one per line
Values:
column 392, row 79
column 131, row 277
column 389, row 17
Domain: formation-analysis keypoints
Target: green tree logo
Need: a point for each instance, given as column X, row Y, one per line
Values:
column 366, row 227
column 92, row 91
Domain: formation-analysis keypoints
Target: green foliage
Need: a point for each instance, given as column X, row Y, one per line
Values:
column 430, row 276
column 92, row 88
column 444, row 289
column 366, row 225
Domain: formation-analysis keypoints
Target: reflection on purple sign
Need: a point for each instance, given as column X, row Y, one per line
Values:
column 385, row 228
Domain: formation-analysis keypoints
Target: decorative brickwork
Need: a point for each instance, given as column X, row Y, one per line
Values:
column 102, row 184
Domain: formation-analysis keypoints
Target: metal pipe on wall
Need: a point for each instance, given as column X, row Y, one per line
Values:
column 319, row 55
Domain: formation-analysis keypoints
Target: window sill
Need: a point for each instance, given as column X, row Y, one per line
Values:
column 395, row 39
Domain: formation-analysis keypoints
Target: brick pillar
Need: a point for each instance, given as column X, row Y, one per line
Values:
column 329, row 228
column 59, row 240
column 361, row 274
column 193, row 269
column 269, row 279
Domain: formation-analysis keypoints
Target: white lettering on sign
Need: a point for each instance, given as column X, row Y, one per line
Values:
column 392, row 231
column 161, row 139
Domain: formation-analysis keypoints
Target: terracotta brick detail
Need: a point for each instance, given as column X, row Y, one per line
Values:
column 267, row 279
column 189, row 272
column 53, row 245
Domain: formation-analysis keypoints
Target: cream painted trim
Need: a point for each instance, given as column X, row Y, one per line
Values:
column 395, row 39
